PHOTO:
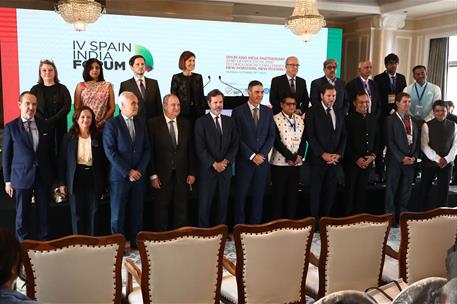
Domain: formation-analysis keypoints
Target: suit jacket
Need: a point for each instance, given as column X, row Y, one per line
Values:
column 20, row 160
column 280, row 88
column 382, row 82
column 362, row 136
column 209, row 146
column 321, row 135
column 149, row 106
column 397, row 142
column 252, row 139
column 68, row 162
column 164, row 155
column 187, row 94
column 356, row 85
column 123, row 154
column 342, row 98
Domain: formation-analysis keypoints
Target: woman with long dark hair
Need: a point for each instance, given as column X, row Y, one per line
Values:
column 82, row 170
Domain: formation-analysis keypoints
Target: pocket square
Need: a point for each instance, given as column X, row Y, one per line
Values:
column 45, row 134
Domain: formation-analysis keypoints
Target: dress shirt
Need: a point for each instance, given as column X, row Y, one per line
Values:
column 131, row 131
column 138, row 82
column 214, row 119
column 252, row 107
column 84, row 156
column 35, row 135
column 430, row 153
column 175, row 126
column 332, row 113
column 366, row 87
column 332, row 82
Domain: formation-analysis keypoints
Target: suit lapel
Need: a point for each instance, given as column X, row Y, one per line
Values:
column 167, row 131
column 135, row 88
column 124, row 129
column 23, row 133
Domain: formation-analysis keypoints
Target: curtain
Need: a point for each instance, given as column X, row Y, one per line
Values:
column 438, row 62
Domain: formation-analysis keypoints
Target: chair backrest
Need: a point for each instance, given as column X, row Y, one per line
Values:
column 352, row 252
column 425, row 239
column 182, row 265
column 272, row 261
column 346, row 297
column 75, row 269
column 422, row 291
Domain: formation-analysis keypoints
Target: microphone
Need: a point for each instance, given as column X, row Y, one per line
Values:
column 220, row 79
column 209, row 80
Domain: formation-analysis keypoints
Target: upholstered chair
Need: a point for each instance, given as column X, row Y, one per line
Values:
column 352, row 254
column 425, row 239
column 178, row 266
column 272, row 262
column 346, row 296
column 75, row 269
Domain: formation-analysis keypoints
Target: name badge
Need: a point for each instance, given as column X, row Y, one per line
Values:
column 391, row 98
column 410, row 139
column 418, row 110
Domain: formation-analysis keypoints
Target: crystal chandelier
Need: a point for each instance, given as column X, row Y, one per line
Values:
column 305, row 20
column 80, row 12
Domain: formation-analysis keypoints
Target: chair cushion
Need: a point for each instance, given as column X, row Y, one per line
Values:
column 229, row 289
column 390, row 271
column 135, row 297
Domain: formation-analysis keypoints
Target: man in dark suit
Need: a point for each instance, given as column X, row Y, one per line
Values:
column 364, row 83
column 289, row 84
column 326, row 135
column 362, row 141
column 128, row 151
column 146, row 89
column 389, row 83
column 27, row 152
column 402, row 152
column 216, row 145
column 256, row 129
column 172, row 166
column 342, row 99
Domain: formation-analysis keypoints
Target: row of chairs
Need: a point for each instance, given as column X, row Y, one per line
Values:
column 274, row 262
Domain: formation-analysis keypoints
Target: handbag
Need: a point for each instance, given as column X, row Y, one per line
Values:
column 386, row 293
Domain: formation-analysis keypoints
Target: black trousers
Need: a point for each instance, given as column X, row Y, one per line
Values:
column 323, row 185
column 355, row 190
column 170, row 210
column 284, row 181
column 428, row 175
column 84, row 202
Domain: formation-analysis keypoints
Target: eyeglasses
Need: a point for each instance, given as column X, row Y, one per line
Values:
column 294, row 65
column 46, row 60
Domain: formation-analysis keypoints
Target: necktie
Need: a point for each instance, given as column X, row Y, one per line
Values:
column 172, row 133
column 367, row 89
column 255, row 115
column 392, row 84
column 142, row 88
column 330, row 117
column 29, row 134
column 218, row 126
column 292, row 85
column 407, row 124
column 131, row 127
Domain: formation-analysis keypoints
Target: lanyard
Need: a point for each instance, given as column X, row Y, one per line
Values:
column 417, row 92
column 410, row 123
column 292, row 124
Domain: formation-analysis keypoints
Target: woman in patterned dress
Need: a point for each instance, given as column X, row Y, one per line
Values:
column 95, row 92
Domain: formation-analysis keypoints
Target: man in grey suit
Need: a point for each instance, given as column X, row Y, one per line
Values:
column 402, row 152
column 146, row 89
column 342, row 99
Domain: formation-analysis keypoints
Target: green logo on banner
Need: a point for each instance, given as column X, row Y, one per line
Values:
column 148, row 60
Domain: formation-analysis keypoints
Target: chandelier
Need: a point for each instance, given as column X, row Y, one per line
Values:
column 305, row 20
column 80, row 12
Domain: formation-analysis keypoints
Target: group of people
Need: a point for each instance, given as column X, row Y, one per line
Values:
column 172, row 146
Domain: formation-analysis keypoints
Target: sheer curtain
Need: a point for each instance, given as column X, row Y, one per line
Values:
column 437, row 62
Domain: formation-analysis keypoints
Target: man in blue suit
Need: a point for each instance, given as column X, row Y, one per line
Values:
column 127, row 148
column 216, row 145
column 256, row 129
column 27, row 150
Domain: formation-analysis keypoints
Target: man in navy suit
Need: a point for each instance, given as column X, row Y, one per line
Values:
column 256, row 129
column 326, row 132
column 216, row 145
column 402, row 152
column 287, row 85
column 127, row 148
column 364, row 83
column 146, row 89
column 342, row 99
column 172, row 166
column 27, row 153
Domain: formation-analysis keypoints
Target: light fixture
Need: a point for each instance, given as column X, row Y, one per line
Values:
column 80, row 12
column 305, row 20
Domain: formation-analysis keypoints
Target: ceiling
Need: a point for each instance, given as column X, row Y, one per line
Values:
column 263, row 11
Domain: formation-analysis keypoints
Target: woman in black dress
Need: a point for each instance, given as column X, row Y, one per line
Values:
column 188, row 86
